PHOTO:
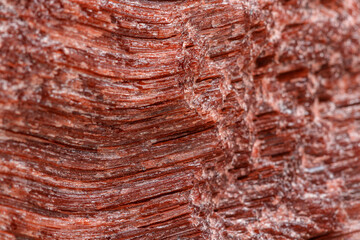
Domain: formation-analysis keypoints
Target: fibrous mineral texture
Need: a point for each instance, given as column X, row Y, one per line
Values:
column 189, row 119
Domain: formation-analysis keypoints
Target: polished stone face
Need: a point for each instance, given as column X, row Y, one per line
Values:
column 191, row 119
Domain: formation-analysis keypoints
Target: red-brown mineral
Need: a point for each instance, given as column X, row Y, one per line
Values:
column 180, row 119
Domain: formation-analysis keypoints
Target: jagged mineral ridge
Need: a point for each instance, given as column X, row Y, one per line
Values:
column 188, row 119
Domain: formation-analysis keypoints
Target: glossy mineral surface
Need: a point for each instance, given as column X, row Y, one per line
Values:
column 191, row 119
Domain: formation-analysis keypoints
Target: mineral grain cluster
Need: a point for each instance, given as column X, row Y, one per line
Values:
column 180, row 119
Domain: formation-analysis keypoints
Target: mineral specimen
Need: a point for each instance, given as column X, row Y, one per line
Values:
column 187, row 119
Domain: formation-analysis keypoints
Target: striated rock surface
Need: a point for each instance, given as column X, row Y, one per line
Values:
column 188, row 119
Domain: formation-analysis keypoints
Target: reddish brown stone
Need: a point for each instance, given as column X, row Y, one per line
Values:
column 191, row 119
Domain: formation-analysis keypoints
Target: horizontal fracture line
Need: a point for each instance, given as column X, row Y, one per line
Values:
column 105, row 183
column 185, row 134
column 136, row 13
column 117, row 33
column 147, row 199
column 164, row 221
column 44, row 139
column 135, row 79
column 6, row 201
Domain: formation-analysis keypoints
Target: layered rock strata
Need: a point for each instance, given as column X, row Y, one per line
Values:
column 191, row 119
